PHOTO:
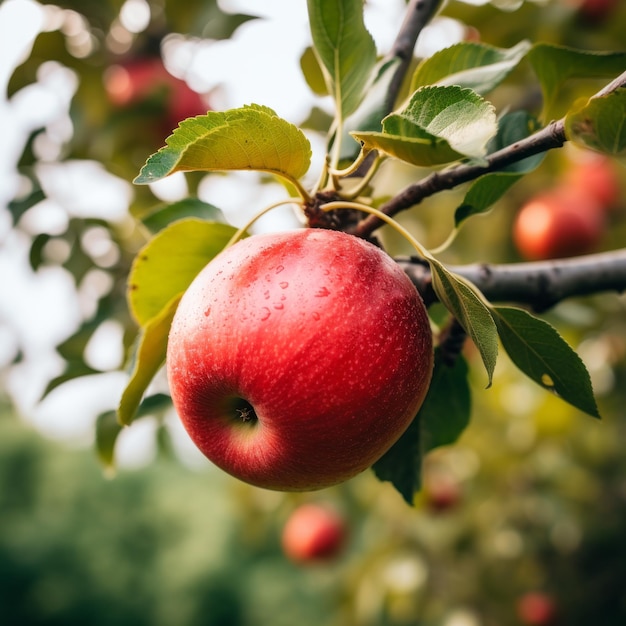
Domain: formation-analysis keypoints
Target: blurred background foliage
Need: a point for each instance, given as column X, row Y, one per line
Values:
column 532, row 498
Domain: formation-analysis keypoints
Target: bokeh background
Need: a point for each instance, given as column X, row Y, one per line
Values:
column 531, row 500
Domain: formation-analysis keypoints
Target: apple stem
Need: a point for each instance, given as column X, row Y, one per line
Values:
column 351, row 169
column 446, row 244
column 243, row 230
column 364, row 182
column 342, row 204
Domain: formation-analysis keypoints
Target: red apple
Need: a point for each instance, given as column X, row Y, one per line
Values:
column 536, row 608
column 562, row 222
column 297, row 359
column 596, row 10
column 142, row 79
column 313, row 532
column 442, row 494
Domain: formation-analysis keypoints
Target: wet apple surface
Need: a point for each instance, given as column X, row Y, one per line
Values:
column 296, row 359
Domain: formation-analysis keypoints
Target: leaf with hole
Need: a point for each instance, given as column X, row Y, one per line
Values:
column 543, row 355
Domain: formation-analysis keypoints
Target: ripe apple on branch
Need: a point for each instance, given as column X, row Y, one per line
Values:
column 297, row 360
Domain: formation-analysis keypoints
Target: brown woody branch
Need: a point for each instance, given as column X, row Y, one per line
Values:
column 550, row 137
column 418, row 14
column 539, row 285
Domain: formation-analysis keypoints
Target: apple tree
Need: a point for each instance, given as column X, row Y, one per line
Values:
column 421, row 154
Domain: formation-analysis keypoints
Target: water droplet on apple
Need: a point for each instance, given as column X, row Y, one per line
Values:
column 265, row 313
column 322, row 292
column 283, row 285
column 279, row 269
column 279, row 306
column 207, row 312
column 266, row 294
column 316, row 316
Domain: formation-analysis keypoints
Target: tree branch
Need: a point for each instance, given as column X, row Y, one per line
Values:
column 418, row 14
column 540, row 284
column 550, row 137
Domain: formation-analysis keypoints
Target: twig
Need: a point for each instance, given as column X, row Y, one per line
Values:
column 539, row 284
column 418, row 14
column 550, row 137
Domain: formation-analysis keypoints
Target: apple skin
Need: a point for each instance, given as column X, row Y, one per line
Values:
column 536, row 608
column 297, row 359
column 559, row 223
column 313, row 533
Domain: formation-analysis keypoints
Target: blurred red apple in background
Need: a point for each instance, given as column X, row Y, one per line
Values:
column 441, row 494
column 145, row 78
column 313, row 532
column 559, row 223
column 596, row 10
column 536, row 608
column 297, row 359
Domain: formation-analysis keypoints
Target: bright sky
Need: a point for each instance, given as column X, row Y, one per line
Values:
column 259, row 64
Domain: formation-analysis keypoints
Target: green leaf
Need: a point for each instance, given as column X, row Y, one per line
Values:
column 108, row 427
column 464, row 302
column 478, row 66
column 149, row 357
column 543, row 355
column 487, row 189
column 440, row 421
column 73, row 369
column 167, row 264
column 439, row 125
column 345, row 48
column 555, row 65
column 600, row 124
column 250, row 138
column 313, row 73
column 164, row 215
column 107, row 431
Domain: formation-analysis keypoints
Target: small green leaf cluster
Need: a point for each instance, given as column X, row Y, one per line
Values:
column 445, row 121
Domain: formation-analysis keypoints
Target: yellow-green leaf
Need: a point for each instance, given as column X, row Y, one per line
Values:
column 167, row 264
column 249, row 138
column 600, row 124
column 149, row 358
